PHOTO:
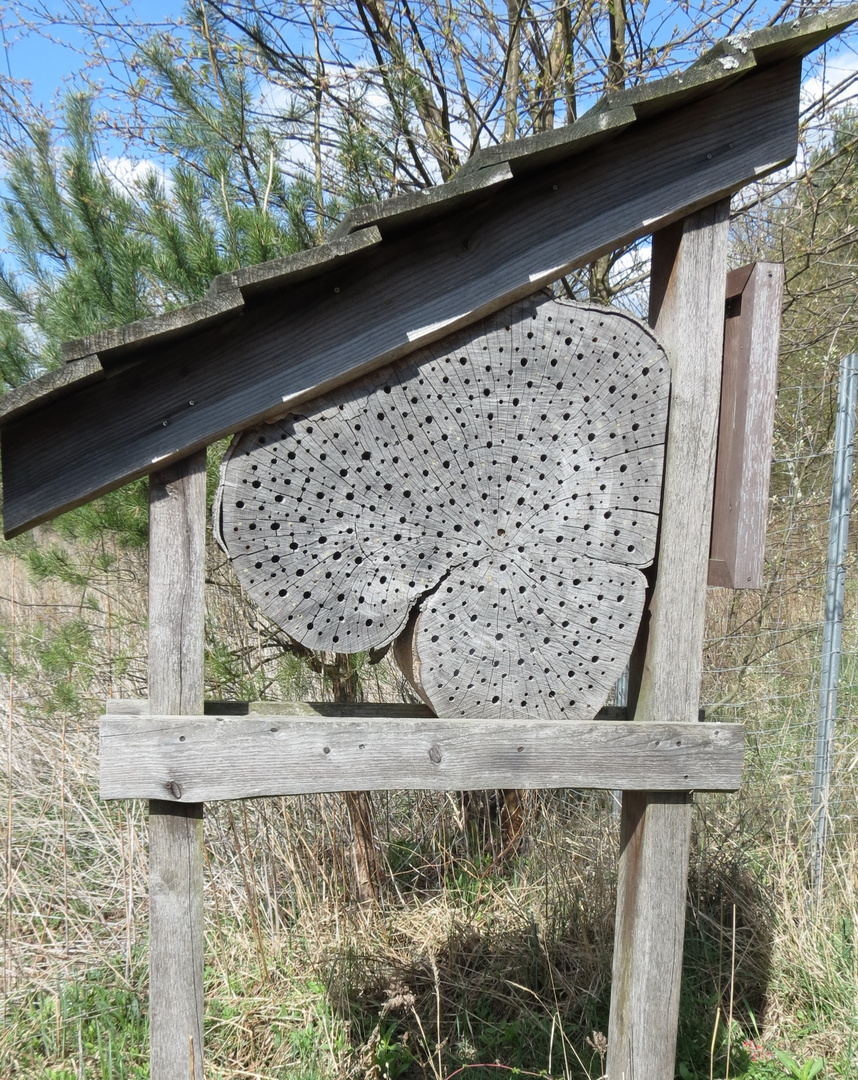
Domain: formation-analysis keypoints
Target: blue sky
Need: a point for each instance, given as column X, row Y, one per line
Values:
column 57, row 56
column 51, row 60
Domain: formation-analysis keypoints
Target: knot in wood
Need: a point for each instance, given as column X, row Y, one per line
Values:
column 489, row 501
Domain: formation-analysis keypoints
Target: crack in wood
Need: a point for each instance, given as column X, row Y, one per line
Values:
column 488, row 502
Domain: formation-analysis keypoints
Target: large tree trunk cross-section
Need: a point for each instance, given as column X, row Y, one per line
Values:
column 489, row 501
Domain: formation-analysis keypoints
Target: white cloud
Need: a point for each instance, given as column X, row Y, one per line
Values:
column 832, row 81
column 128, row 174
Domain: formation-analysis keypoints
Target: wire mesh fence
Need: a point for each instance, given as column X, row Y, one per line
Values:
column 764, row 648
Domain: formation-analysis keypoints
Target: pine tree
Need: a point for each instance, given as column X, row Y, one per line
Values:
column 91, row 253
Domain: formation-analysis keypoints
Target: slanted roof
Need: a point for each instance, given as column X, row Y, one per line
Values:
column 404, row 272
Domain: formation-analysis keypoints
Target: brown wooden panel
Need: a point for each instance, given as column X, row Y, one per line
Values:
column 186, row 758
column 746, row 427
column 395, row 296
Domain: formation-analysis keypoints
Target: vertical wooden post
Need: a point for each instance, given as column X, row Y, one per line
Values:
column 687, row 311
column 177, row 514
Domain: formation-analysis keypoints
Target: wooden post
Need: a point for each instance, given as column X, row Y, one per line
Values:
column 177, row 512
column 687, row 311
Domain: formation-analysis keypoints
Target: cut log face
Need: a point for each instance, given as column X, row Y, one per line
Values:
column 490, row 501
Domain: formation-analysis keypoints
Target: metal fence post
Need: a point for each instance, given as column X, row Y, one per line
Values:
column 835, row 582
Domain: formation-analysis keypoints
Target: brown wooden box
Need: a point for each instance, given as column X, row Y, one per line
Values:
column 748, row 390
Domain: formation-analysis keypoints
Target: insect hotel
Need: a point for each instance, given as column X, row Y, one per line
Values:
column 433, row 452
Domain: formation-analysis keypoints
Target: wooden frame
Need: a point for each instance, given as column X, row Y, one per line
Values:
column 200, row 759
column 383, row 302
column 177, row 531
column 689, row 262
column 659, row 159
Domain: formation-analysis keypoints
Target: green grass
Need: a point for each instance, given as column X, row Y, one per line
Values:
column 471, row 961
column 86, row 1028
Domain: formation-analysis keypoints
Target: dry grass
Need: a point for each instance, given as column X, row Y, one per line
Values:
column 470, row 955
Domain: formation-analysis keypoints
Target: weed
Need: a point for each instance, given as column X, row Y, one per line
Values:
column 468, row 961
column 796, row 1071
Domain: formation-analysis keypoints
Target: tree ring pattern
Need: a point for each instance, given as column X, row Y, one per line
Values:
column 490, row 501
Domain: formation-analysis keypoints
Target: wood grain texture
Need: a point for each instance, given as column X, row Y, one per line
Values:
column 772, row 43
column 177, row 527
column 155, row 330
column 244, row 757
column 746, row 426
column 499, row 490
column 36, row 393
column 688, row 315
column 410, row 208
column 395, row 297
column 177, row 521
column 271, row 275
column 655, row 835
column 687, row 310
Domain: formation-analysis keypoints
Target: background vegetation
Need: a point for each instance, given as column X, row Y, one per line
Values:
column 413, row 934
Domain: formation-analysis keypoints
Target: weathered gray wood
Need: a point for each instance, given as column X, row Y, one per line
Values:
column 329, row 330
column 747, row 420
column 177, row 519
column 773, row 43
column 655, row 835
column 170, row 326
column 36, row 393
column 263, row 277
column 687, row 311
column 202, row 759
column 499, row 489
column 411, row 208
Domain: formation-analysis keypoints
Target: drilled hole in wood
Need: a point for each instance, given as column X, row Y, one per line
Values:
column 488, row 501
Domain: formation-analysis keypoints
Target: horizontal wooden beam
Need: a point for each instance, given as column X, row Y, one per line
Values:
column 407, row 291
column 199, row 759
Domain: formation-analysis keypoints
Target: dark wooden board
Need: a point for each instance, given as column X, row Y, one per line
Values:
column 394, row 297
column 391, row 710
column 169, row 327
column 36, row 393
column 186, row 758
column 386, row 710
